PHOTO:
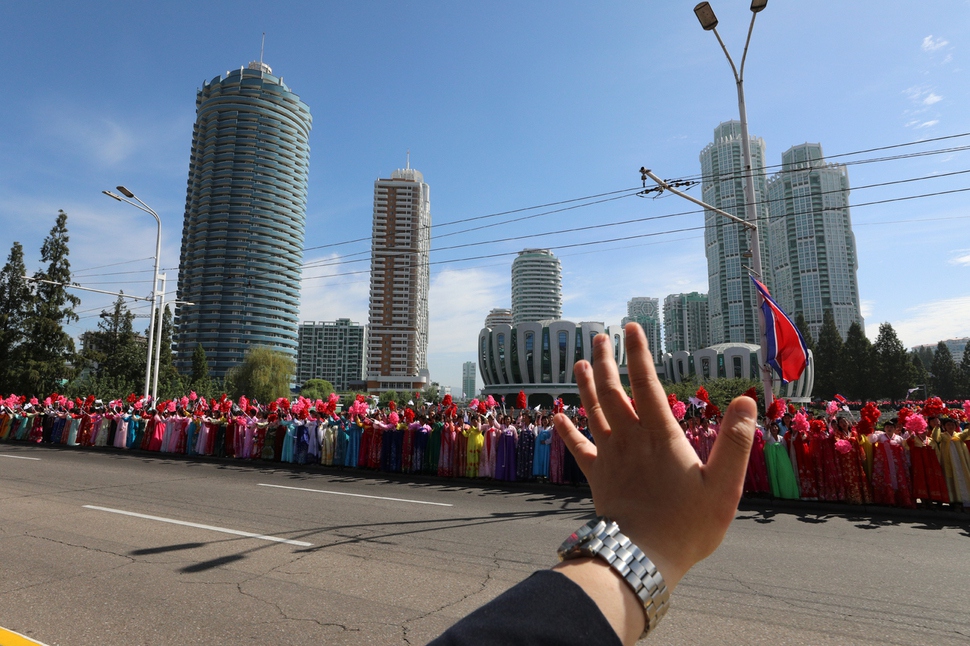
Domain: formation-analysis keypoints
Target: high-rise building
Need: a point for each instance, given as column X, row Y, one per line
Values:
column 812, row 248
column 498, row 316
column 686, row 322
column 245, row 213
column 468, row 379
column 331, row 350
column 646, row 311
column 536, row 287
column 397, row 334
column 731, row 295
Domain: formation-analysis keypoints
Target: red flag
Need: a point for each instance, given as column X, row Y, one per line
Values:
column 785, row 349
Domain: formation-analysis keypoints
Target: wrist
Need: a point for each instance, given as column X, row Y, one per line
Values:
column 611, row 594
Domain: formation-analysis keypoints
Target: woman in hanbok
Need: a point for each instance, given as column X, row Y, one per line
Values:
column 354, row 430
column 328, row 443
column 525, row 448
column 422, row 431
column 950, row 445
column 848, row 453
column 781, row 477
column 461, row 448
column 800, row 443
column 557, row 459
column 828, row 473
column 156, row 432
column 474, row 443
column 542, row 449
column 486, row 468
column 449, row 443
column 505, row 451
column 926, row 472
column 756, row 476
column 433, row 453
column 890, row 475
column 366, row 439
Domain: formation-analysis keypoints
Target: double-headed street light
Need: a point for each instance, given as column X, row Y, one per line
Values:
column 705, row 15
column 138, row 204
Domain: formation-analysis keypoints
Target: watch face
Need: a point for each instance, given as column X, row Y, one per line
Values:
column 578, row 538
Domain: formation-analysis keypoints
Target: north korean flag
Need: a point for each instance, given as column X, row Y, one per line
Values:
column 786, row 351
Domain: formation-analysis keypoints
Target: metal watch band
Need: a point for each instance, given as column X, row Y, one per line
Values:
column 610, row 544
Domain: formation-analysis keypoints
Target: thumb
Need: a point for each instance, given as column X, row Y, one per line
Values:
column 732, row 449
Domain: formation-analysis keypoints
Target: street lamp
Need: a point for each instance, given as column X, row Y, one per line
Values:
column 138, row 204
column 705, row 15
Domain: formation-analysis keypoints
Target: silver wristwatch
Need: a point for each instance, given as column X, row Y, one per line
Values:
column 601, row 537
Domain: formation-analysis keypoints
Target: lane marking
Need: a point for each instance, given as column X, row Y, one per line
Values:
column 10, row 638
column 213, row 528
column 358, row 495
column 18, row 457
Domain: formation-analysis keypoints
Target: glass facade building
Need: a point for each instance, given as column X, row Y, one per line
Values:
column 812, row 247
column 646, row 311
column 536, row 287
column 245, row 213
column 731, row 294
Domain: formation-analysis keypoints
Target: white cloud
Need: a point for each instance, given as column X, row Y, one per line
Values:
column 932, row 98
column 928, row 124
column 866, row 308
column 963, row 260
column 333, row 296
column 930, row 322
column 458, row 302
column 931, row 44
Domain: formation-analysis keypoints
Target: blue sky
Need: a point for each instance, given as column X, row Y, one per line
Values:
column 503, row 105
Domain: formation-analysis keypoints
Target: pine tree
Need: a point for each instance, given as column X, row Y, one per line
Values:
column 828, row 358
column 920, row 374
column 944, row 372
column 802, row 326
column 170, row 382
column 200, row 381
column 857, row 364
column 49, row 350
column 16, row 303
column 893, row 368
column 965, row 373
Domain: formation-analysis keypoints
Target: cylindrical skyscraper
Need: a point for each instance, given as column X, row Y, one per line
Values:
column 536, row 287
column 245, row 214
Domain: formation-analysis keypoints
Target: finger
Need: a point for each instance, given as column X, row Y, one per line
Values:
column 649, row 395
column 612, row 398
column 598, row 426
column 582, row 449
column 724, row 473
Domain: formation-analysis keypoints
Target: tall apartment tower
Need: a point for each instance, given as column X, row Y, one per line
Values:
column 646, row 311
column 812, row 247
column 397, row 334
column 331, row 350
column 498, row 316
column 686, row 322
column 536, row 287
column 245, row 213
column 468, row 376
column 731, row 294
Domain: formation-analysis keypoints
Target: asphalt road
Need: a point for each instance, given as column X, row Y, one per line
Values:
column 104, row 547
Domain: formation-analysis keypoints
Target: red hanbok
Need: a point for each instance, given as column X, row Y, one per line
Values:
column 805, row 459
column 828, row 471
column 850, row 457
column 929, row 484
column 890, row 476
column 756, row 478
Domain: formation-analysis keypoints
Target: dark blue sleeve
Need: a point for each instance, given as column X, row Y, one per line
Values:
column 545, row 609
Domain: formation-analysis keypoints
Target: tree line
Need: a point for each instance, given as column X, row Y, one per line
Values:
column 862, row 370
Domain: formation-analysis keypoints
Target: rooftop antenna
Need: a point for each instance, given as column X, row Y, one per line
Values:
column 409, row 159
column 261, row 47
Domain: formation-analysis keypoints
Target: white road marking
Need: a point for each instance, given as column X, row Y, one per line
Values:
column 224, row 530
column 18, row 457
column 358, row 495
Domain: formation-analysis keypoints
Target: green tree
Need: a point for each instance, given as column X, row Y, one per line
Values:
column 388, row 396
column 199, row 380
column 264, row 375
column 858, row 365
column 170, row 382
column 431, row 392
column 16, row 304
column 122, row 356
column 316, row 389
column 920, row 374
column 893, row 368
column 49, row 350
column 802, row 326
column 944, row 370
column 965, row 373
column 828, row 358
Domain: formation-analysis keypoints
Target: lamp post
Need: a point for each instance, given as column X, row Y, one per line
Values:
column 708, row 21
column 158, row 252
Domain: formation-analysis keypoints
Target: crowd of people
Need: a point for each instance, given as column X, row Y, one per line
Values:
column 917, row 457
